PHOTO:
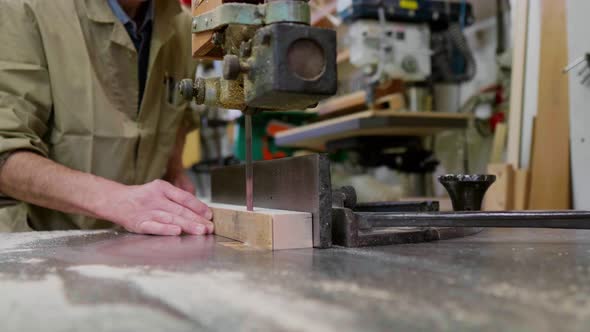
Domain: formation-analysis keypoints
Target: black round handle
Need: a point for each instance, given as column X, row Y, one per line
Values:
column 467, row 191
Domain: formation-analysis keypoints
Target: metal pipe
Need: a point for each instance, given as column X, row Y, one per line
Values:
column 508, row 219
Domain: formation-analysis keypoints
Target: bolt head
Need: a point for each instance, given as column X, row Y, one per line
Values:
column 186, row 89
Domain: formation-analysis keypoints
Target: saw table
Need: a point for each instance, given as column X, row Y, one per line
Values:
column 497, row 280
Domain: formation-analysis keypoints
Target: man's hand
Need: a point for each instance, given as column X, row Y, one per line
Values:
column 157, row 208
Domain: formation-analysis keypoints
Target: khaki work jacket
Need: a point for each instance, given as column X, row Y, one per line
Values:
column 69, row 91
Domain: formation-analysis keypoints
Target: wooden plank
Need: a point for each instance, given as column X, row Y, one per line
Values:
column 376, row 113
column 352, row 101
column 500, row 195
column 356, row 101
column 499, row 144
column 519, row 31
column 550, row 168
column 521, row 188
column 424, row 124
column 263, row 228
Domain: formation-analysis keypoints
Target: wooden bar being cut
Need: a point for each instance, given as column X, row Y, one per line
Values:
column 263, row 228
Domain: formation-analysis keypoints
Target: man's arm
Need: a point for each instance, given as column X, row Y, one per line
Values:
column 156, row 208
column 25, row 111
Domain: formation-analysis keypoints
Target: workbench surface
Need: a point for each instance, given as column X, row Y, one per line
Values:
column 498, row 280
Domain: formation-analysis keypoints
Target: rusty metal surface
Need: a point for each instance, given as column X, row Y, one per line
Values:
column 498, row 280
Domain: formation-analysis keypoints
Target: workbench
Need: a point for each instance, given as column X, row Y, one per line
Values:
column 497, row 280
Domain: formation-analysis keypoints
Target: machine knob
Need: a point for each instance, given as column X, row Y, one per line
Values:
column 231, row 67
column 467, row 191
column 190, row 89
column 186, row 89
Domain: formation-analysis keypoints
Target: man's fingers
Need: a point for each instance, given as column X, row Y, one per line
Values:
column 188, row 200
column 185, row 213
column 188, row 226
column 156, row 228
column 208, row 225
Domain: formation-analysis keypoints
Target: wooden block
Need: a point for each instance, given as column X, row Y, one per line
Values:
column 202, row 44
column 500, row 195
column 521, row 188
column 263, row 228
column 550, row 167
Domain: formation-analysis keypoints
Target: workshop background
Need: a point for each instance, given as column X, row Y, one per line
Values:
column 483, row 86
column 508, row 115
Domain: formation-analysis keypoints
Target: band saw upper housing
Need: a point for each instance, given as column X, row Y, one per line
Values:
column 272, row 58
column 291, row 67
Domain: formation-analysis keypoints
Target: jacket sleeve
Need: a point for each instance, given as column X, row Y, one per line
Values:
column 25, row 92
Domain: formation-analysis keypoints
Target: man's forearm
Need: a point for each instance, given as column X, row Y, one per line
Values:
column 154, row 208
column 29, row 177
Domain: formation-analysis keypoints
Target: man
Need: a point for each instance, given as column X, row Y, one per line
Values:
column 89, row 118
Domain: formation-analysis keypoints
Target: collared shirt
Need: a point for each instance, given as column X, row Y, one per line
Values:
column 141, row 37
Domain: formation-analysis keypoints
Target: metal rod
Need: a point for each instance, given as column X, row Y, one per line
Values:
column 509, row 219
column 249, row 168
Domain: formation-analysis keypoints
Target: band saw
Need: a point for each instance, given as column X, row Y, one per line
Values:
column 274, row 60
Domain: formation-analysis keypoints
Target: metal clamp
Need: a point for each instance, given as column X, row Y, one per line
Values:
column 247, row 14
